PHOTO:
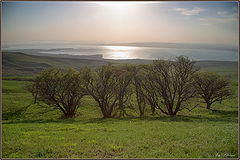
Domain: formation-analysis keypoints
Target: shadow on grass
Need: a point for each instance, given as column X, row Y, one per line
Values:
column 195, row 118
column 225, row 113
column 214, row 116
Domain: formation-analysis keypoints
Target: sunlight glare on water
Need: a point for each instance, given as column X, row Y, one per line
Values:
column 120, row 52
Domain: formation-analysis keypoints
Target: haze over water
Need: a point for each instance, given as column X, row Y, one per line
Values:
column 115, row 51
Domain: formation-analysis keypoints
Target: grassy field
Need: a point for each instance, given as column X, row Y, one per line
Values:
column 28, row 131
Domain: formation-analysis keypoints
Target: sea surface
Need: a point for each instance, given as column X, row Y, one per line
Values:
column 127, row 52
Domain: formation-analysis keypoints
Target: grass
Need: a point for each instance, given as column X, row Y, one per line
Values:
column 28, row 131
column 121, row 139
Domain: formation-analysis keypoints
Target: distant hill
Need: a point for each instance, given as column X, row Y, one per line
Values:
column 40, row 52
column 21, row 64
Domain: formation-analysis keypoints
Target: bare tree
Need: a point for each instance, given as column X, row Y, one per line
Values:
column 172, row 84
column 138, row 78
column 148, row 87
column 101, row 85
column 212, row 87
column 123, row 90
column 58, row 89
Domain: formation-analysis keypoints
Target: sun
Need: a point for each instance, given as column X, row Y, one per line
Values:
column 118, row 6
column 121, row 6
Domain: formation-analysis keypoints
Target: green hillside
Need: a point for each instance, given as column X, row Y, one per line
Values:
column 34, row 131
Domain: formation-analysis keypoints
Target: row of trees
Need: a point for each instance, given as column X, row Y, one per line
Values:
column 164, row 85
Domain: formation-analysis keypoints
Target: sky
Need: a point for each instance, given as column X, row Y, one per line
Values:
column 173, row 22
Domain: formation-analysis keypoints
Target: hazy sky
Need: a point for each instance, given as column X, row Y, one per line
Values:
column 191, row 22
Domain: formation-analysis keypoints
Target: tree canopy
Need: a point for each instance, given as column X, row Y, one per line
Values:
column 165, row 85
column 212, row 87
column 59, row 89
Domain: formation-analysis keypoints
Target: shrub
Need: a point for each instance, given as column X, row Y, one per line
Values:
column 212, row 87
column 101, row 85
column 58, row 89
column 172, row 84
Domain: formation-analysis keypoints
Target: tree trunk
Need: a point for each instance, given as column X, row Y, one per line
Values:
column 141, row 106
column 121, row 107
column 107, row 113
column 208, row 105
column 172, row 114
column 35, row 100
column 103, row 110
column 170, row 111
column 141, row 113
column 153, row 110
column 69, row 114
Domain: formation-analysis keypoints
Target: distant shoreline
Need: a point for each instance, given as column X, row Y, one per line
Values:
column 100, row 57
column 132, row 44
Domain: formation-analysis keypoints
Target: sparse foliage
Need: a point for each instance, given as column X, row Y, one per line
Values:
column 172, row 84
column 140, row 96
column 123, row 91
column 165, row 85
column 101, row 85
column 143, row 89
column 212, row 87
column 58, row 89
